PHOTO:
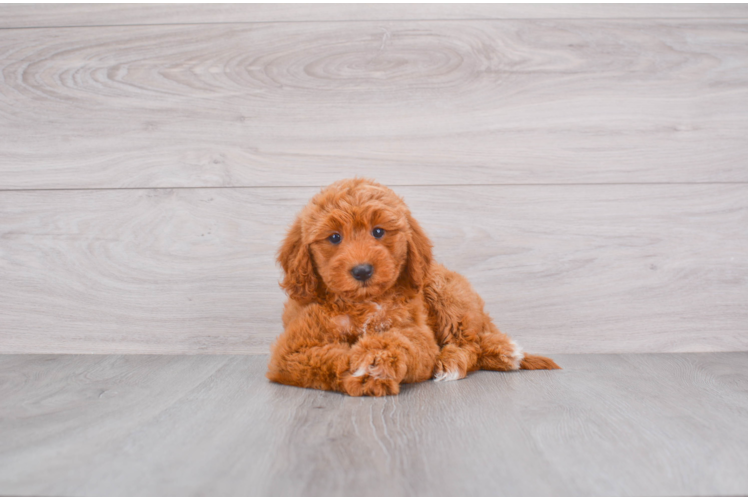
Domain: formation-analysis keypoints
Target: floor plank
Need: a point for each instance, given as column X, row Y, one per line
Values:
column 658, row 424
column 433, row 102
column 617, row 268
column 21, row 16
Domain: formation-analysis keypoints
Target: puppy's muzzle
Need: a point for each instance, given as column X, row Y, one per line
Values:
column 362, row 272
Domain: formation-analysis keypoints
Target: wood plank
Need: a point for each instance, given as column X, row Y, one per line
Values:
column 618, row 268
column 628, row 425
column 411, row 103
column 40, row 15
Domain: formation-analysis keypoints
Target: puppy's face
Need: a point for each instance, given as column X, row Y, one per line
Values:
column 356, row 239
column 359, row 250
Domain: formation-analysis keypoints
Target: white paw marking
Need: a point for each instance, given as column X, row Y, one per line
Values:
column 517, row 355
column 360, row 372
column 447, row 376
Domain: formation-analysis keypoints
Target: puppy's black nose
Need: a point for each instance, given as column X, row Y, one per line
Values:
column 362, row 272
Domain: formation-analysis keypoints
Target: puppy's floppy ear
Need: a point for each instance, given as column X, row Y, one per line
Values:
column 300, row 281
column 419, row 255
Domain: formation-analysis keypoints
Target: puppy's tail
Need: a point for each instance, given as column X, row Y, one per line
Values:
column 533, row 362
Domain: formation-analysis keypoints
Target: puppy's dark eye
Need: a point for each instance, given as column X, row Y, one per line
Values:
column 378, row 232
column 334, row 238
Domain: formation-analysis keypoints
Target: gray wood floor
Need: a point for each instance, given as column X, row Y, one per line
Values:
column 636, row 424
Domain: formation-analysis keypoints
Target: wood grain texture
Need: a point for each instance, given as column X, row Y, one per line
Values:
column 40, row 15
column 433, row 102
column 618, row 268
column 640, row 425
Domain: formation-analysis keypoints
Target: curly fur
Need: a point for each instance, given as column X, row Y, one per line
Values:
column 412, row 320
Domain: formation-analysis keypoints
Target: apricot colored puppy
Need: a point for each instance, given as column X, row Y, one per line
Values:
column 370, row 310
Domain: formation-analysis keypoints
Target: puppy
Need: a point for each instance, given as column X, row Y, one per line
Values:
column 370, row 310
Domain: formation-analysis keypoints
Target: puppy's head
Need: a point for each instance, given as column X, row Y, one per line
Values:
column 356, row 239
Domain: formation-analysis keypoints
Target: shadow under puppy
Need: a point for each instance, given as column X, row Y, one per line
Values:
column 369, row 309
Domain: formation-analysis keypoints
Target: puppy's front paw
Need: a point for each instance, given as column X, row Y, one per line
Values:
column 377, row 361
column 450, row 365
column 364, row 385
column 376, row 369
column 444, row 372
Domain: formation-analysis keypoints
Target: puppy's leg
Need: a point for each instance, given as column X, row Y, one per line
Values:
column 317, row 367
column 499, row 352
column 313, row 351
column 380, row 362
column 456, row 317
column 456, row 360
column 489, row 350
column 468, row 338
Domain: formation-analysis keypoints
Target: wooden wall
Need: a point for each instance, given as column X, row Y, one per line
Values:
column 584, row 165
